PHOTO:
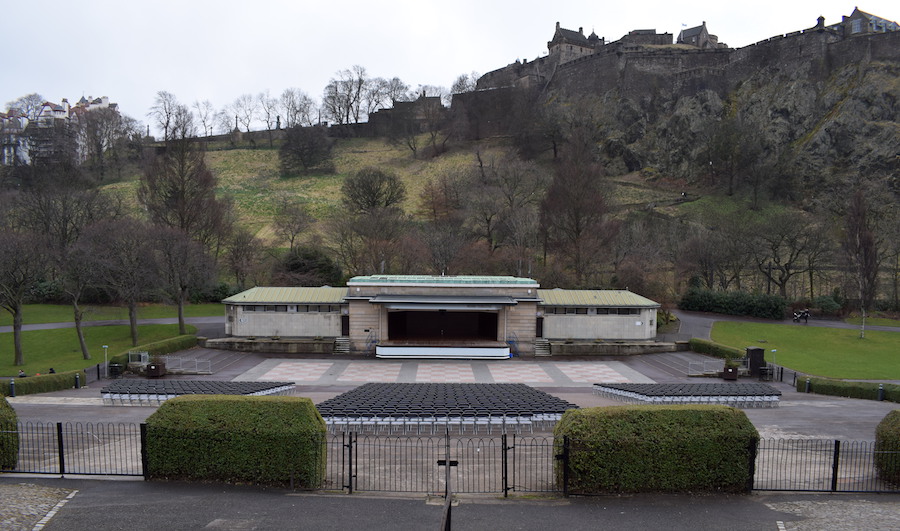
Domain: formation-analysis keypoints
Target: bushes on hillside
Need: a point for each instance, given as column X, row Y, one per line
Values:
column 269, row 440
column 9, row 436
column 44, row 383
column 734, row 303
column 657, row 449
column 887, row 447
column 864, row 390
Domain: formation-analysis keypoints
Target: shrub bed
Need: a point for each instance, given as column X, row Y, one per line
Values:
column 44, row 383
column 159, row 348
column 704, row 346
column 9, row 436
column 267, row 440
column 864, row 390
column 887, row 447
column 657, row 449
column 734, row 303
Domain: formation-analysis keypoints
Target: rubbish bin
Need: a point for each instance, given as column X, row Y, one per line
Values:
column 116, row 370
column 156, row 370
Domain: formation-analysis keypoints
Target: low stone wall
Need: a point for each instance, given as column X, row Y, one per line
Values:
column 323, row 346
column 617, row 348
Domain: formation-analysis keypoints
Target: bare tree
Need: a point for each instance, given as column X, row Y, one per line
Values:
column 297, row 108
column 163, row 110
column 124, row 260
column 464, row 83
column 291, row 220
column 28, row 106
column 397, row 90
column 268, row 110
column 178, row 190
column 206, row 114
column 786, row 245
column 184, row 265
column 246, row 109
column 343, row 96
column 862, row 252
column 62, row 215
column 574, row 217
column 244, row 256
column 22, row 263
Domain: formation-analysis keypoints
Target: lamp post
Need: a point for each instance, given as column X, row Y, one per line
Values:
column 105, row 361
column 773, row 356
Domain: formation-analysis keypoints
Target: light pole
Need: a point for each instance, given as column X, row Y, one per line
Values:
column 773, row 356
column 105, row 361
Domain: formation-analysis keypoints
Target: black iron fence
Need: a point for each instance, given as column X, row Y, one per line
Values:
column 438, row 464
column 822, row 466
column 78, row 448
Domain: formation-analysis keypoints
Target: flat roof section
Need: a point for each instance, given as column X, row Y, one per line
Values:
column 436, row 280
column 610, row 298
column 289, row 295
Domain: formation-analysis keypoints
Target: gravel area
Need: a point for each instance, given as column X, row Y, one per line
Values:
column 25, row 505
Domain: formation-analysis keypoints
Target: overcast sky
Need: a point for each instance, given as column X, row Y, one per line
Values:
column 218, row 50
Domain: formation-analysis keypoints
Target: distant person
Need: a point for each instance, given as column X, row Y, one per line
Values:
column 51, row 371
column 22, row 374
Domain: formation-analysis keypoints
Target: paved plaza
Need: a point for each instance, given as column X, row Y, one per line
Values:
column 553, row 374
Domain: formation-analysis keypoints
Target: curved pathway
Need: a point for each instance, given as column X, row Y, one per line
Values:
column 699, row 324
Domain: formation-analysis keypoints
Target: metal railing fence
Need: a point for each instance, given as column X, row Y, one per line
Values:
column 496, row 464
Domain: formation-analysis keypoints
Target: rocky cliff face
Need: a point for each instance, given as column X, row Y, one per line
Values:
column 791, row 115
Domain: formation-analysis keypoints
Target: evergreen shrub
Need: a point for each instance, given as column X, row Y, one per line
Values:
column 266, row 440
column 9, row 436
column 887, row 447
column 734, row 303
column 44, row 383
column 683, row 448
column 863, row 390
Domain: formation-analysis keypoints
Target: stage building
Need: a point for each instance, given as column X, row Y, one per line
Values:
column 417, row 316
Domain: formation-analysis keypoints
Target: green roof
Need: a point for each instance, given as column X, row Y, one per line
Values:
column 292, row 295
column 473, row 280
column 611, row 298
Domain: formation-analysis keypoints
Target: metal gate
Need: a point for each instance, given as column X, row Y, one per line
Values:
column 77, row 448
column 404, row 463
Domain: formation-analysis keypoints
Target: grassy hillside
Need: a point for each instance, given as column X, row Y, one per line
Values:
column 252, row 179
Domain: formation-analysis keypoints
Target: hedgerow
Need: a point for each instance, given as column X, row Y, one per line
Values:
column 704, row 346
column 887, row 447
column 864, row 390
column 657, row 449
column 44, row 383
column 267, row 440
column 9, row 436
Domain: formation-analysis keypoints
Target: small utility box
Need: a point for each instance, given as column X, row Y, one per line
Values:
column 757, row 359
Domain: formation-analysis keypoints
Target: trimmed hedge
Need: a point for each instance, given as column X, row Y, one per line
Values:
column 657, row 449
column 734, row 303
column 705, row 346
column 267, row 440
column 44, row 383
column 863, row 390
column 887, row 447
column 159, row 348
column 9, row 436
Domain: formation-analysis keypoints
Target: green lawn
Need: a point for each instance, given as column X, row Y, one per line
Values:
column 828, row 352
column 62, row 313
column 59, row 349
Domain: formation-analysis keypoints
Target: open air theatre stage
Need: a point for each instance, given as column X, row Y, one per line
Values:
column 437, row 407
